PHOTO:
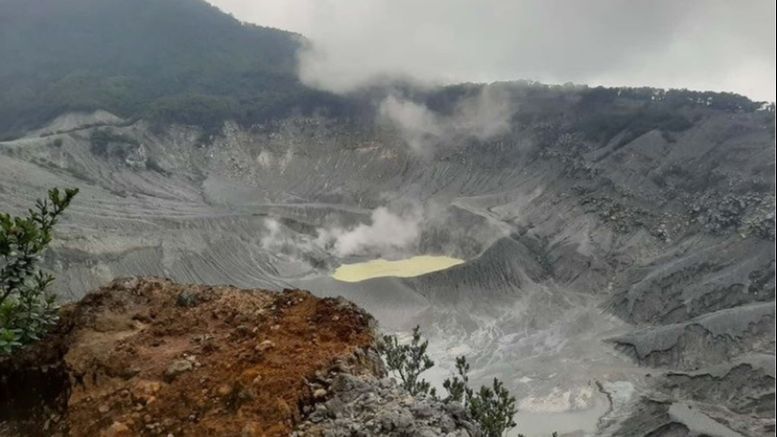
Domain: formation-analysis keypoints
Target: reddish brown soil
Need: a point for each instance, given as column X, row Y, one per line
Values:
column 251, row 354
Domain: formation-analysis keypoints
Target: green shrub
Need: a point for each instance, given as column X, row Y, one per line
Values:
column 458, row 386
column 493, row 408
column 408, row 361
column 27, row 310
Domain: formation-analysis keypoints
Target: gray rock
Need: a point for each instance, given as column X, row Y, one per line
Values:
column 365, row 405
column 176, row 368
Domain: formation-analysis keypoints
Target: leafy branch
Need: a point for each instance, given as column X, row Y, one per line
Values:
column 408, row 361
column 27, row 310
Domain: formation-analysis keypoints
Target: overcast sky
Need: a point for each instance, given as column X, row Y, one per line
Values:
column 719, row 45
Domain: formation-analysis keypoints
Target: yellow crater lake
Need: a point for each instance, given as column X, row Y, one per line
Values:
column 404, row 268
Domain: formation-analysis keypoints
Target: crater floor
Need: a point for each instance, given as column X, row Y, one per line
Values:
column 619, row 271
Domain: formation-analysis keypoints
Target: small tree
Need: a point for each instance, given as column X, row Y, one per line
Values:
column 492, row 408
column 27, row 310
column 408, row 361
column 458, row 386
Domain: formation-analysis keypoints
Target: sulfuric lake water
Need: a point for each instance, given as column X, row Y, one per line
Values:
column 404, row 268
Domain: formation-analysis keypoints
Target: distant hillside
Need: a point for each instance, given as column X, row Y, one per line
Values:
column 170, row 60
column 185, row 61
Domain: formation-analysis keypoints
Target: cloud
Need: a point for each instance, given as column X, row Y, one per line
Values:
column 481, row 117
column 387, row 232
column 698, row 44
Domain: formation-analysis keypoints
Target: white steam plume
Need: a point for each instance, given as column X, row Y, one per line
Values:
column 480, row 117
column 387, row 232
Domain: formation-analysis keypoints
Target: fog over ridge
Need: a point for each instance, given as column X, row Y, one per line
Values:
column 699, row 44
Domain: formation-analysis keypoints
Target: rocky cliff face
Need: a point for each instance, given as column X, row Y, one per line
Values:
column 367, row 406
column 610, row 265
column 147, row 356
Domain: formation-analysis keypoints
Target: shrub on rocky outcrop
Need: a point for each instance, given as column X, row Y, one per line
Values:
column 408, row 361
column 493, row 408
column 27, row 310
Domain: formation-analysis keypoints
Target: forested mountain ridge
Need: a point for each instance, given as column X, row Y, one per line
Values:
column 187, row 62
column 173, row 60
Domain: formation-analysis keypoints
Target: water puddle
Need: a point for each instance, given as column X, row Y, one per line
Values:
column 405, row 268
